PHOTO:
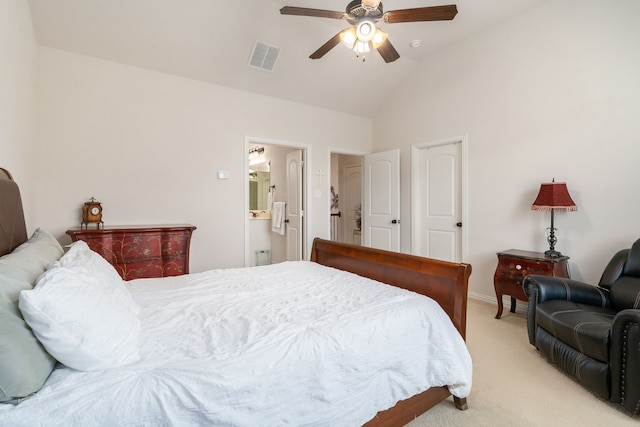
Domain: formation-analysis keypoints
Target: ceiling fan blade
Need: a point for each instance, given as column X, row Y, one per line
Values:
column 387, row 51
column 320, row 13
column 431, row 13
column 322, row 51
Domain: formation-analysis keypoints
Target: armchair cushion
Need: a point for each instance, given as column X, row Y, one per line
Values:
column 632, row 263
column 584, row 327
column 625, row 293
column 614, row 269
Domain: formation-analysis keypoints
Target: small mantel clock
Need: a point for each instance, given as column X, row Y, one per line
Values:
column 92, row 214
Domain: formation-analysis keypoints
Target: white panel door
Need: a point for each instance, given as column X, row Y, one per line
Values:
column 437, row 217
column 294, row 212
column 381, row 207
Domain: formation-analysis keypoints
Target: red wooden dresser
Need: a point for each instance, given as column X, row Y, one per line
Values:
column 141, row 251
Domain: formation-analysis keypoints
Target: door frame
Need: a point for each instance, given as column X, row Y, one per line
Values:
column 335, row 150
column 306, row 189
column 464, row 196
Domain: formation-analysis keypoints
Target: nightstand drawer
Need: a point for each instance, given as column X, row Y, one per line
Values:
column 514, row 268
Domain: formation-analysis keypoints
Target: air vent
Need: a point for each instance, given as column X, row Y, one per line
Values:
column 264, row 57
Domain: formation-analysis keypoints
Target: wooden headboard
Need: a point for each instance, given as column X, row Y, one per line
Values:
column 13, row 230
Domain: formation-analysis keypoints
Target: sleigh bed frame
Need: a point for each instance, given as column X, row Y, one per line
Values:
column 444, row 282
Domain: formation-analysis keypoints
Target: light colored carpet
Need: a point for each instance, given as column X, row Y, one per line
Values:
column 513, row 385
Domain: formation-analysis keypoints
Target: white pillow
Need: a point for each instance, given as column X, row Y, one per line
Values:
column 80, row 255
column 80, row 321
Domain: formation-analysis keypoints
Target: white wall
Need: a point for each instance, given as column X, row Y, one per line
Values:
column 148, row 146
column 554, row 93
column 18, row 96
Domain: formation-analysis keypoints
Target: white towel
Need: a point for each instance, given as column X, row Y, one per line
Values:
column 277, row 217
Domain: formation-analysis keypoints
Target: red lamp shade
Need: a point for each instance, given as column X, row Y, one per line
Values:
column 554, row 196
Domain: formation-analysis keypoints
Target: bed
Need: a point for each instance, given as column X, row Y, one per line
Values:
column 297, row 343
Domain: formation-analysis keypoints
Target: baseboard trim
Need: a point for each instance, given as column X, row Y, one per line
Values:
column 521, row 306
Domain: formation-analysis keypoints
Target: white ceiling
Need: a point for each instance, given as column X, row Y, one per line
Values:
column 211, row 41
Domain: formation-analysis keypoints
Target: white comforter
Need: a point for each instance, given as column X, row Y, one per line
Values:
column 293, row 344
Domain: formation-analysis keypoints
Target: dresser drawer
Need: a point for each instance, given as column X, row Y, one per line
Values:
column 120, row 246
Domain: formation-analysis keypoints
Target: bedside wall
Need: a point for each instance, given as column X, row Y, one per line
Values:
column 148, row 146
column 18, row 69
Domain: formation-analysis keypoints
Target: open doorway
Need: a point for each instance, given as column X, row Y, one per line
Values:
column 346, row 184
column 275, row 228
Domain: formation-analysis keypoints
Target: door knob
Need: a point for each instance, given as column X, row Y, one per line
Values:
column 458, row 224
column 395, row 221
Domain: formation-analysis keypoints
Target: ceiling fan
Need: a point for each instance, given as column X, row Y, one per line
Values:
column 363, row 15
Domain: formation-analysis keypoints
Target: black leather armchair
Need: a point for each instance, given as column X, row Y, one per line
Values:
column 592, row 333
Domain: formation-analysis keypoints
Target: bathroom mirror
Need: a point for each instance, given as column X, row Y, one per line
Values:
column 259, row 182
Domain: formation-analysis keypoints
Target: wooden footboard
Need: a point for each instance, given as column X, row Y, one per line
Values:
column 445, row 282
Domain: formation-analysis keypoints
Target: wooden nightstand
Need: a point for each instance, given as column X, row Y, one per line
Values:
column 514, row 264
column 141, row 251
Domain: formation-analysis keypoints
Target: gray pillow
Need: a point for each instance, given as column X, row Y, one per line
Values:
column 24, row 364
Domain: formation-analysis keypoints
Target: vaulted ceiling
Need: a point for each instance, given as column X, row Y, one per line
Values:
column 211, row 41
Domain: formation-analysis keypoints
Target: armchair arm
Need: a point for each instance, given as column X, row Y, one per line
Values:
column 625, row 360
column 549, row 288
column 541, row 288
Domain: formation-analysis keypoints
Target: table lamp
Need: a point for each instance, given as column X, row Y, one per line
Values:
column 553, row 196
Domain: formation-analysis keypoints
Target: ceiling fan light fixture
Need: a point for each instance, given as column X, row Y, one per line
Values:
column 348, row 37
column 360, row 47
column 370, row 5
column 379, row 38
column 366, row 30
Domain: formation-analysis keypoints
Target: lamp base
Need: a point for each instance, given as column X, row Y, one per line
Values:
column 552, row 253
